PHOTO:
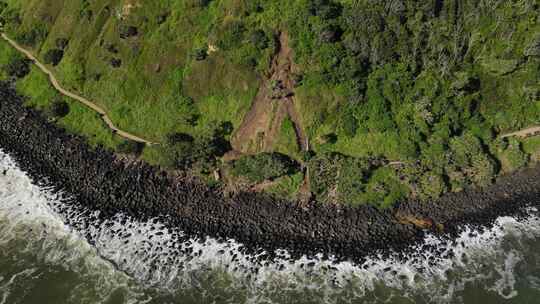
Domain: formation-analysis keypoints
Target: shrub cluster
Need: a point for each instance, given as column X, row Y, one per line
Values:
column 264, row 166
column 53, row 56
column 17, row 67
column 32, row 36
column 58, row 109
column 336, row 178
column 127, row 31
column 194, row 154
column 130, row 147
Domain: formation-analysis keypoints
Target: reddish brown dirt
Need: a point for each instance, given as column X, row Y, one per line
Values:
column 260, row 128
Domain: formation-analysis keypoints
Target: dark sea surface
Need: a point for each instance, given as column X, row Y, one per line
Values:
column 51, row 252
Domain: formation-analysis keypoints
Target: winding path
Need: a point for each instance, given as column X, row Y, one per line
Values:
column 80, row 99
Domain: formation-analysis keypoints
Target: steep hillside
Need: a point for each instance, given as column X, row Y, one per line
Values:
column 332, row 89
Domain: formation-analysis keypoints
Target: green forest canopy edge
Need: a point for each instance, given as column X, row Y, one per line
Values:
column 430, row 85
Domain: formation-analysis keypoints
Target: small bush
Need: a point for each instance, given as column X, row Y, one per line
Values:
column 264, row 166
column 259, row 39
column 306, row 156
column 53, row 56
column 130, row 147
column 330, row 34
column 18, row 67
column 162, row 18
column 330, row 138
column 176, row 138
column 200, row 3
column 533, row 48
column 336, row 178
column 349, row 124
column 297, row 79
column 111, row 48
column 225, row 129
column 59, row 109
column 325, row 9
column 231, row 35
column 468, row 156
column 432, row 186
column 200, row 54
column 197, row 154
column 61, row 43
column 384, row 188
column 127, row 31
column 287, row 186
column 33, row 36
column 483, row 170
column 515, row 155
column 116, row 62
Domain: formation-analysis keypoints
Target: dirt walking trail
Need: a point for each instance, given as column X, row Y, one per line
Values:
column 80, row 99
column 272, row 105
column 532, row 131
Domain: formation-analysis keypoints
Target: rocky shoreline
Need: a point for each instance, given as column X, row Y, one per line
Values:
column 98, row 179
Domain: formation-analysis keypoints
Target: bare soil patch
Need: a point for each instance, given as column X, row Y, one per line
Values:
column 273, row 104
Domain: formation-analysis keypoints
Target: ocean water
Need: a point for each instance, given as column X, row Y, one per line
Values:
column 52, row 251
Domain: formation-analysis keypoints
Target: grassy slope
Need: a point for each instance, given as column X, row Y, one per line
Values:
column 146, row 95
column 40, row 94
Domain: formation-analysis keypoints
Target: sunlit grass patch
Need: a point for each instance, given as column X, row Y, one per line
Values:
column 80, row 120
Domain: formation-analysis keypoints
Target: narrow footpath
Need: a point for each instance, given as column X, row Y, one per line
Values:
column 532, row 131
column 80, row 99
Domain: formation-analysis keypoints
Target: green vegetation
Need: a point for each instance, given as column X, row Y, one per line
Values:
column 130, row 147
column 336, row 178
column 511, row 154
column 287, row 186
column 429, row 83
column 264, row 166
column 286, row 141
column 13, row 64
column 53, row 56
column 39, row 93
column 58, row 109
column 198, row 154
